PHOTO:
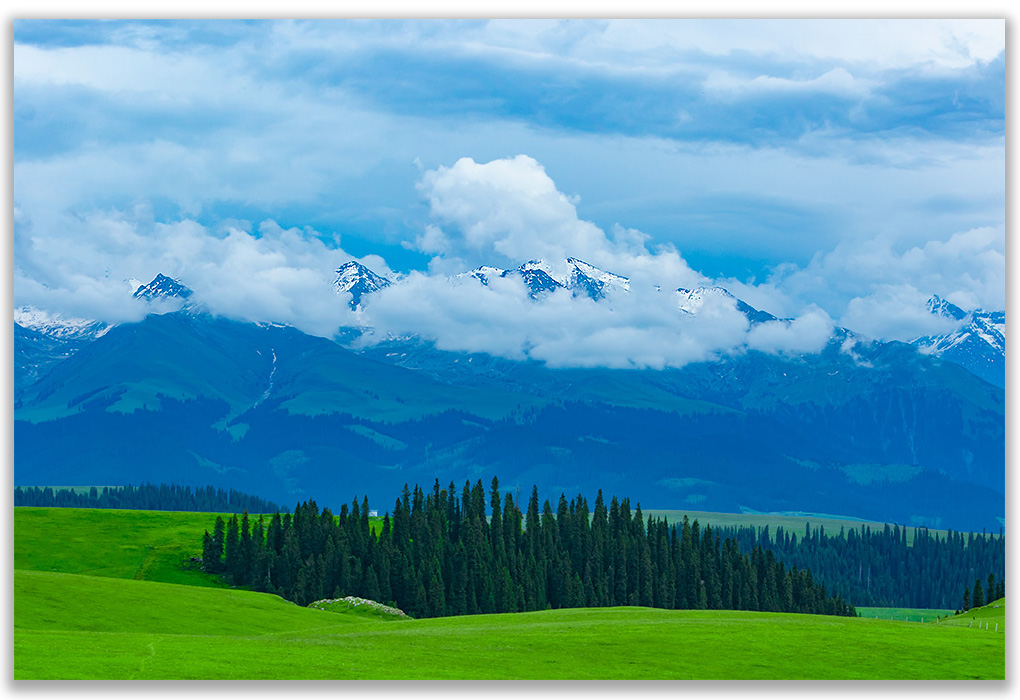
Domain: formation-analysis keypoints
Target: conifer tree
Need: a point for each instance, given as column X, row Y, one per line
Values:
column 232, row 547
column 979, row 595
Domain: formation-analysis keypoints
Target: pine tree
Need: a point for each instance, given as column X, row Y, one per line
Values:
column 232, row 548
column 210, row 562
column 979, row 594
column 217, row 545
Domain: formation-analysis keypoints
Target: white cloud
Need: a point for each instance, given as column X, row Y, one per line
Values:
column 281, row 275
column 837, row 81
column 880, row 282
column 895, row 312
column 508, row 207
column 511, row 210
column 508, row 211
column 640, row 329
column 805, row 334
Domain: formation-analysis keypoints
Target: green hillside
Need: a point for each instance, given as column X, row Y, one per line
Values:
column 106, row 625
column 977, row 618
column 73, row 626
column 138, row 544
column 145, row 545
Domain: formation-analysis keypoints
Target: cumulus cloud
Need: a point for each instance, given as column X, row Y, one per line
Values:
column 510, row 210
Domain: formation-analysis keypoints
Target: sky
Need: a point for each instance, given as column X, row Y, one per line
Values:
column 831, row 172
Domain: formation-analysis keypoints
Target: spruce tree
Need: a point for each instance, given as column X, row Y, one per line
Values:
column 232, row 548
column 217, row 544
column 979, row 594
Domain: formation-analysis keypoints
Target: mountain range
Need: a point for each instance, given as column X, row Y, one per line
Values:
column 910, row 433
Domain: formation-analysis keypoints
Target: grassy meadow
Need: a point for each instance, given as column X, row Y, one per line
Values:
column 136, row 544
column 905, row 614
column 101, row 594
column 73, row 626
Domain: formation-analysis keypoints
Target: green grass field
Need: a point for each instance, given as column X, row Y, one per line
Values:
column 73, row 626
column 81, row 612
column 905, row 614
column 139, row 544
column 978, row 618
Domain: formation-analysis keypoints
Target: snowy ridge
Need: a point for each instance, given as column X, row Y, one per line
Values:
column 937, row 306
column 541, row 276
column 56, row 326
column 691, row 301
column 978, row 344
column 357, row 280
column 607, row 279
column 162, row 287
column 483, row 274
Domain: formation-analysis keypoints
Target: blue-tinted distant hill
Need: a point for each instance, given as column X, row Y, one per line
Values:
column 883, row 433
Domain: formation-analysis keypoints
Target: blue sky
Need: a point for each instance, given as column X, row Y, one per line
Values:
column 849, row 167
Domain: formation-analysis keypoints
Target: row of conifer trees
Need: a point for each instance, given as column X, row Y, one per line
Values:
column 880, row 567
column 146, row 496
column 440, row 554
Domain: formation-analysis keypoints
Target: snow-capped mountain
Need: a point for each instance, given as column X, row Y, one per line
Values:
column 593, row 281
column 42, row 339
column 357, row 280
column 539, row 276
column 937, row 306
column 58, row 327
column 690, row 301
column 978, row 343
column 162, row 287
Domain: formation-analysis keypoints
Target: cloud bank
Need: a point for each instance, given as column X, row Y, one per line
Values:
column 502, row 213
column 508, row 211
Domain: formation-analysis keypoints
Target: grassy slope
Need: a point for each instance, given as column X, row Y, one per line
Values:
column 138, row 544
column 991, row 614
column 71, row 626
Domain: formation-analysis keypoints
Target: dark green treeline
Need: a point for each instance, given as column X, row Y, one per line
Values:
column 443, row 555
column 876, row 567
column 145, row 497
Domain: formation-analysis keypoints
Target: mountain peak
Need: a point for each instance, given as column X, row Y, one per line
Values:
column 593, row 281
column 978, row 343
column 940, row 307
column 690, row 301
column 354, row 278
column 162, row 287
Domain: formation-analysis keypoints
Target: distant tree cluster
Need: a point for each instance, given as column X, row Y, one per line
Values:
column 878, row 567
column 996, row 590
column 443, row 555
column 145, row 497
